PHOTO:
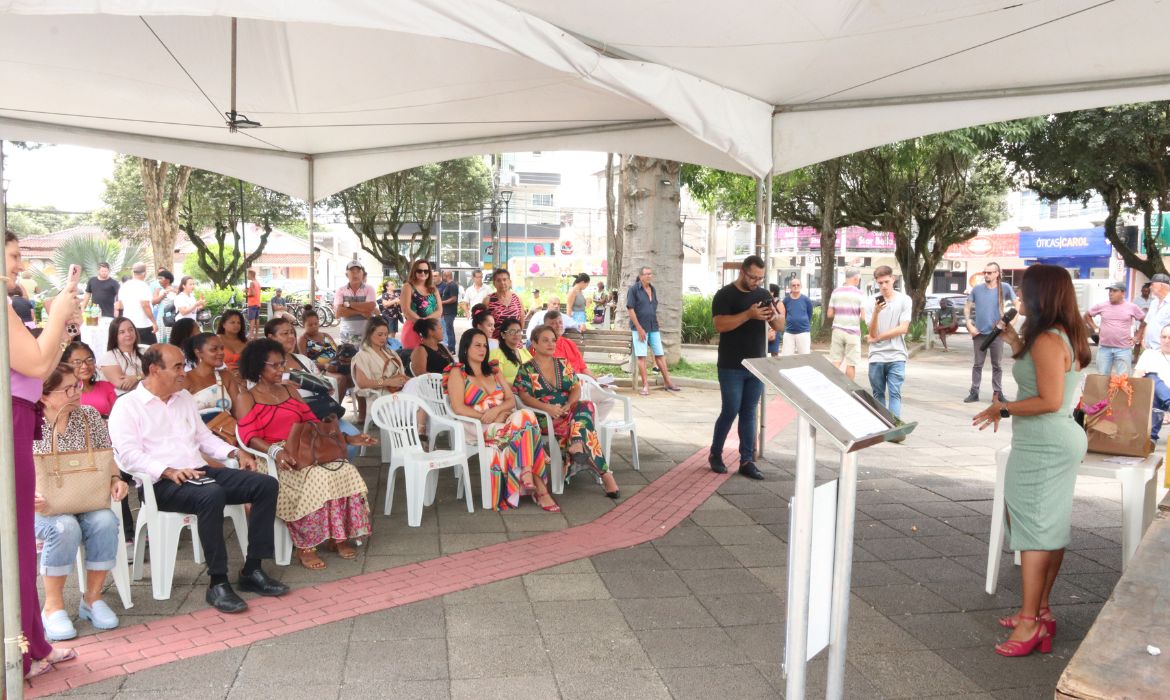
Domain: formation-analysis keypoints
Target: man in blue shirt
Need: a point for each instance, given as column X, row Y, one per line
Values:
column 987, row 300
column 642, row 303
column 798, row 310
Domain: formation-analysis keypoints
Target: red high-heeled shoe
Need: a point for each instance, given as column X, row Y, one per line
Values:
column 1046, row 617
column 1041, row 639
column 554, row 508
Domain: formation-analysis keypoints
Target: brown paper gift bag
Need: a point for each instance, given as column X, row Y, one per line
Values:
column 1122, row 427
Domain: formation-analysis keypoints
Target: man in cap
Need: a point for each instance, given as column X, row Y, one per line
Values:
column 1115, row 345
column 1158, row 314
column 354, row 303
column 135, row 296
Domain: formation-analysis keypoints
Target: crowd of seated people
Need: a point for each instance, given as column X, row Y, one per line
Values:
column 162, row 410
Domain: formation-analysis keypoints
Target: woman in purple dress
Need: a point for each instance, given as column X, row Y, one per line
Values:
column 32, row 360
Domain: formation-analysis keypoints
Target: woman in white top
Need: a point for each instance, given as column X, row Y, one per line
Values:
column 211, row 387
column 186, row 305
column 122, row 363
column 377, row 370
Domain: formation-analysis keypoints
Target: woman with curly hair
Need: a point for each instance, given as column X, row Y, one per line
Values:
column 519, row 462
column 320, row 503
column 549, row 383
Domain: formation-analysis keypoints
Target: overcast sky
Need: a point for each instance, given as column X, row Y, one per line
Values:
column 70, row 178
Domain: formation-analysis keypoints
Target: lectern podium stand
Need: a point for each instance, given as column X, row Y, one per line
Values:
column 827, row 401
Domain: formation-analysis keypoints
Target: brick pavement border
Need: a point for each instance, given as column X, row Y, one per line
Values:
column 645, row 516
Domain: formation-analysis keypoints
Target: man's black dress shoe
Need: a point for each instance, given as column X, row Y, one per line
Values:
column 716, row 463
column 262, row 583
column 221, row 597
column 751, row 471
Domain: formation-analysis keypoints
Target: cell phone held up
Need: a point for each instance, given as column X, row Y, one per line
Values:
column 879, row 300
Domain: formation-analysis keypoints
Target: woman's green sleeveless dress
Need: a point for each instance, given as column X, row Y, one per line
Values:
column 1046, row 452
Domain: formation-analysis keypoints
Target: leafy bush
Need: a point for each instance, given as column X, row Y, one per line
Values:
column 917, row 330
column 217, row 299
column 698, row 326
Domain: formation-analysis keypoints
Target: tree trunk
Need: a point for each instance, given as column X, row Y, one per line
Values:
column 651, row 223
column 613, row 238
column 828, row 231
column 162, row 199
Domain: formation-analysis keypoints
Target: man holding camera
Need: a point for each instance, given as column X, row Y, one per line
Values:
column 742, row 313
column 987, row 302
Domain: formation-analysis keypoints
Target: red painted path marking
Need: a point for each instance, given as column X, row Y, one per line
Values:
column 645, row 516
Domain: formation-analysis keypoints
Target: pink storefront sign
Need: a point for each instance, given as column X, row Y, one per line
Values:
column 850, row 238
column 986, row 245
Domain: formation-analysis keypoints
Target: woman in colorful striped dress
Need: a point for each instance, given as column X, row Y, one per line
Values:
column 519, row 462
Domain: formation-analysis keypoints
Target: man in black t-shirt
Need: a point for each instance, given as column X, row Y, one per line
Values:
column 102, row 290
column 742, row 310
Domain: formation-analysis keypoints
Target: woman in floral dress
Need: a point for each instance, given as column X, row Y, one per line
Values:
column 519, row 462
column 424, row 301
column 548, row 383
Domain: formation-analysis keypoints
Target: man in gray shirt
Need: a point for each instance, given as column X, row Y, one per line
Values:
column 889, row 321
column 987, row 302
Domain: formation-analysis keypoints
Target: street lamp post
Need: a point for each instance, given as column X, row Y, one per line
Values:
column 506, row 195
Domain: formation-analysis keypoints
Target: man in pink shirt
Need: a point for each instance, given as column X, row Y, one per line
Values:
column 1115, row 347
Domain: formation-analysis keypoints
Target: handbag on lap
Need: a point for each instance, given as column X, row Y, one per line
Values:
column 316, row 443
column 75, row 482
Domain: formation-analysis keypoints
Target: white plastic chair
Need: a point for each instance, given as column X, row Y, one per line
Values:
column 397, row 416
column 282, row 543
column 606, row 430
column 429, row 388
column 162, row 533
column 121, row 570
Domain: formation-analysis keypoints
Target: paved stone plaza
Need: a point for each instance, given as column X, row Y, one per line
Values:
column 693, row 610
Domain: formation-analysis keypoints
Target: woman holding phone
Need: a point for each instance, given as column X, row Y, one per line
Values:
column 33, row 359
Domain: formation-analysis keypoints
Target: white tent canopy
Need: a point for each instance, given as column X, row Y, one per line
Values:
column 346, row 91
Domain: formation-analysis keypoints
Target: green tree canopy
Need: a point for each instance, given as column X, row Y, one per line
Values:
column 1121, row 153
column 379, row 210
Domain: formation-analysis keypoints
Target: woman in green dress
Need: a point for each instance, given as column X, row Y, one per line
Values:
column 549, row 384
column 1050, row 350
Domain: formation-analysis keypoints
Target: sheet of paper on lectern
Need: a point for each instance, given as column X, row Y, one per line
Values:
column 854, row 416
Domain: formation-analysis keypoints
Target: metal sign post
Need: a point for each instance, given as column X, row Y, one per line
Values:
column 828, row 402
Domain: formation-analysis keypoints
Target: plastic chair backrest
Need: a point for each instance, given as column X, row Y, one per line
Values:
column 433, row 393
column 397, row 415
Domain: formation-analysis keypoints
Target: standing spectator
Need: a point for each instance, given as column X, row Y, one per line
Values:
column 576, row 300
column 742, row 310
column 504, row 303
column 390, row 304
column 252, row 309
column 889, row 321
column 103, row 292
column 21, row 305
column 162, row 292
column 1143, row 301
column 1115, row 346
column 600, row 301
column 354, row 304
column 476, row 292
column 988, row 300
column 186, row 305
column 1155, row 365
column 449, row 300
column 844, row 310
column 775, row 337
column 798, row 310
column 136, row 296
column 279, row 307
column 422, row 302
column 1158, row 314
column 1047, row 447
column 642, row 304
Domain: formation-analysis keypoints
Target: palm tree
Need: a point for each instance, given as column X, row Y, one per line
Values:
column 88, row 251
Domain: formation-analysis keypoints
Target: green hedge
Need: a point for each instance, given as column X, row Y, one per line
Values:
column 697, row 324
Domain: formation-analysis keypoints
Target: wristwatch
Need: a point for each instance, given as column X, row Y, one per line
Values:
column 233, row 454
column 1004, row 413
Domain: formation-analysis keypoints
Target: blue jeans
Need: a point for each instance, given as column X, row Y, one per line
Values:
column 886, row 378
column 63, row 534
column 348, row 428
column 1161, row 404
column 741, row 392
column 449, row 332
column 1114, row 360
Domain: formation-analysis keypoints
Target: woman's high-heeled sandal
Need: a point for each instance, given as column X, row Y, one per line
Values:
column 1041, row 640
column 1045, row 617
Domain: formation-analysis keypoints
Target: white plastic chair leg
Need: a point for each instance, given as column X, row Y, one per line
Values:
column 1137, row 509
column 390, row 478
column 415, row 494
column 121, row 570
column 282, row 543
column 634, row 447
column 240, row 521
column 998, row 511
column 432, row 487
column 466, row 479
